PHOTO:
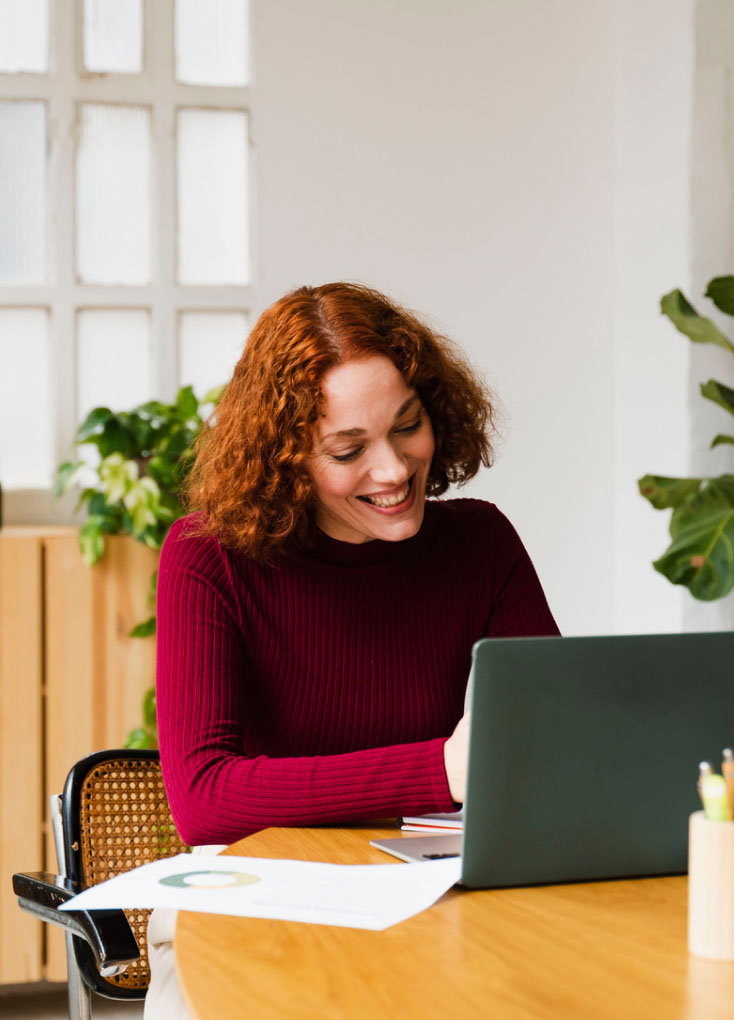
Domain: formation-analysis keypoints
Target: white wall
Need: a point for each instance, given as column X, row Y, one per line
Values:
column 655, row 76
column 520, row 172
column 534, row 177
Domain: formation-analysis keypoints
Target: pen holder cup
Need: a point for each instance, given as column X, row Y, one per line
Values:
column 710, row 888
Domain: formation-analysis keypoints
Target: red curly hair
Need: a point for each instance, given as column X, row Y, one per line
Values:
column 249, row 475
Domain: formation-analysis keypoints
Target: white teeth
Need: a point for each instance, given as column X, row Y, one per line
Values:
column 392, row 501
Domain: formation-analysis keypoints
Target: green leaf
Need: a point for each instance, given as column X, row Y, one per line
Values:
column 720, row 394
column 114, row 437
column 93, row 423
column 140, row 738
column 153, row 537
column 163, row 470
column 183, row 466
column 169, row 509
column 712, row 498
column 110, row 523
column 142, row 502
column 176, row 443
column 152, row 589
column 723, row 484
column 686, row 319
column 153, row 409
column 720, row 440
column 145, row 433
column 701, row 556
column 84, row 495
column 65, row 476
column 214, row 395
column 149, row 716
column 117, row 439
column 98, row 505
column 117, row 477
column 186, row 403
column 172, row 502
column 663, row 492
column 91, row 541
column 144, row 629
column 721, row 292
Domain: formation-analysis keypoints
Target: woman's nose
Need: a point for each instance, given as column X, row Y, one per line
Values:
column 388, row 466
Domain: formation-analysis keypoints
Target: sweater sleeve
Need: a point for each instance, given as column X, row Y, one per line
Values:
column 519, row 605
column 219, row 787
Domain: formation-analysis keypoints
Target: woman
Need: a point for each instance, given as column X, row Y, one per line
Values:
column 316, row 617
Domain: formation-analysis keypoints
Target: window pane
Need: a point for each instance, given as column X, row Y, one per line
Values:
column 26, row 455
column 210, row 344
column 212, row 197
column 211, row 42
column 113, row 195
column 22, row 193
column 113, row 35
column 113, row 359
column 24, row 35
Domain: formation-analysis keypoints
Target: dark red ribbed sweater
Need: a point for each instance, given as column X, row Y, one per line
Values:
column 323, row 688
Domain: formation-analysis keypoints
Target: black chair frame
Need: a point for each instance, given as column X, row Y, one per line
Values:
column 98, row 944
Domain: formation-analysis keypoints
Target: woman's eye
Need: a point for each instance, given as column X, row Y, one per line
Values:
column 413, row 427
column 402, row 430
column 342, row 458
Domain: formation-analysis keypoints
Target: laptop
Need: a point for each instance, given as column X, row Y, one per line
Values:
column 583, row 756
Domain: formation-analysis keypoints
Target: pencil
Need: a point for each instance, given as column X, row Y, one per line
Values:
column 727, row 771
column 705, row 768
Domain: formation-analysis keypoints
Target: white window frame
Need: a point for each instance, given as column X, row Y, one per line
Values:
column 62, row 89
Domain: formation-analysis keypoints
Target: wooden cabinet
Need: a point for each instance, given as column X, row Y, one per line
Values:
column 71, row 682
column 21, row 749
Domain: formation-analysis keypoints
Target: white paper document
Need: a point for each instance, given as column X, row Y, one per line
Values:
column 373, row 896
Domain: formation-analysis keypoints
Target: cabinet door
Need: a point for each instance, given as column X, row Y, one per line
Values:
column 21, row 748
column 96, row 675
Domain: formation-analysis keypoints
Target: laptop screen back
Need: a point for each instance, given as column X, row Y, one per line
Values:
column 584, row 754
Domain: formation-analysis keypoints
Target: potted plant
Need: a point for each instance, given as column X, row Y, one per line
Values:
column 131, row 487
column 701, row 553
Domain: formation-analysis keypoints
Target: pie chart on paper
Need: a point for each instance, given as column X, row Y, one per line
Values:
column 210, row 880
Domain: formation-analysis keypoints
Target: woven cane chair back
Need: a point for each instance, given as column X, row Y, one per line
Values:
column 123, row 822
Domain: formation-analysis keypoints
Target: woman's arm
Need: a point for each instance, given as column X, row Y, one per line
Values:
column 519, row 607
column 219, row 783
column 456, row 759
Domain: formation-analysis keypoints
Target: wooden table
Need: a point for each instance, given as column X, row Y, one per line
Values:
column 595, row 950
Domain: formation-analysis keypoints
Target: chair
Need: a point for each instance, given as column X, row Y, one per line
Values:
column 112, row 816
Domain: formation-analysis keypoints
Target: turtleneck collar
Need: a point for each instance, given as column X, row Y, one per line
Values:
column 357, row 554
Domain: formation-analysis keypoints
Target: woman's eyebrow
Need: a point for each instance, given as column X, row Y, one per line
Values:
column 360, row 432
column 408, row 403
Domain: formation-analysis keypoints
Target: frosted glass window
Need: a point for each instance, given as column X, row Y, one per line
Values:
column 113, row 182
column 210, row 344
column 22, row 193
column 24, row 35
column 113, row 35
column 26, row 454
column 113, row 359
column 212, row 197
column 211, row 42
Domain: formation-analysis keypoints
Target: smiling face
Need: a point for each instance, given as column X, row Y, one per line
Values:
column 372, row 451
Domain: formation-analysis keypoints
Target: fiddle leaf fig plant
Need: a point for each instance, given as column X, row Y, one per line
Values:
column 701, row 553
column 132, row 487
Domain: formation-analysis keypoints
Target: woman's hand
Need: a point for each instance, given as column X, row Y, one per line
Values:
column 455, row 759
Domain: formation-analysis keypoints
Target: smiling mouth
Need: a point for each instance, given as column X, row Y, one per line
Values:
column 386, row 503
